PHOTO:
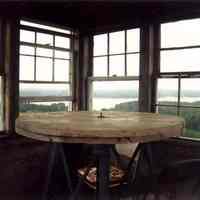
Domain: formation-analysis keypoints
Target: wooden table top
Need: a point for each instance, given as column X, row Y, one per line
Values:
column 90, row 127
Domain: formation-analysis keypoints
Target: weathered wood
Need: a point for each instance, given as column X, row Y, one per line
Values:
column 89, row 127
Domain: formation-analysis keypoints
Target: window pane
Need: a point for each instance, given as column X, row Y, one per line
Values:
column 44, row 52
column 190, row 93
column 27, row 36
column 180, row 60
column 100, row 44
column 133, row 64
column 167, row 110
column 181, row 33
column 27, row 50
column 61, row 70
column 117, row 42
column 117, row 65
column 27, row 23
column 26, row 68
column 34, row 90
column 45, row 39
column 100, row 66
column 62, row 54
column 57, row 106
column 43, row 69
column 62, row 42
column 133, row 40
column 168, row 91
column 115, row 95
column 192, row 118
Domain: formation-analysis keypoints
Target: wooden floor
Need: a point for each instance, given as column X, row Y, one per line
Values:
column 184, row 188
column 23, row 166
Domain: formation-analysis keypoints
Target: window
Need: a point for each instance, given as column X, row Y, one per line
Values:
column 115, row 81
column 178, row 91
column 45, row 68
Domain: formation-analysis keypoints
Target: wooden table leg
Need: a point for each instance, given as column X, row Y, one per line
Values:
column 56, row 149
column 103, row 168
column 51, row 161
column 66, row 167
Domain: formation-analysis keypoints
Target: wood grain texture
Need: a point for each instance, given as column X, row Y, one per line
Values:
column 87, row 127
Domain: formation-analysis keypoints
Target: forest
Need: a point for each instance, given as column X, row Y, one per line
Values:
column 191, row 115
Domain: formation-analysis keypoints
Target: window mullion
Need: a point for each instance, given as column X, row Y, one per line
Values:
column 125, row 55
column 35, row 57
column 108, row 55
column 179, row 94
column 53, row 60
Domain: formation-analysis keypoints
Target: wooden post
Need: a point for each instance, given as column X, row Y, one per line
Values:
column 11, row 63
column 156, row 66
column 74, row 70
column 147, row 86
column 84, row 70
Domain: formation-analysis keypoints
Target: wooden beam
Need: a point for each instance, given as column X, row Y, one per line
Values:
column 146, row 67
column 156, row 65
column 11, row 73
column 84, row 70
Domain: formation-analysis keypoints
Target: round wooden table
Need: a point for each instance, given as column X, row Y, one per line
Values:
column 100, row 128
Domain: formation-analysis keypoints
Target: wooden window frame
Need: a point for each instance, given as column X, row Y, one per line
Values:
column 54, row 48
column 93, row 78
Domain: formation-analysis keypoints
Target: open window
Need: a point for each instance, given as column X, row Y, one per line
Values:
column 179, row 77
column 115, row 81
column 45, row 68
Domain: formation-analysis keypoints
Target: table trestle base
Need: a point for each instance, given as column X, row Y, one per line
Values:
column 56, row 149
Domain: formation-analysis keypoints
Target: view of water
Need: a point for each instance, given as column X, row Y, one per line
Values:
column 183, row 99
column 99, row 103
column 107, row 103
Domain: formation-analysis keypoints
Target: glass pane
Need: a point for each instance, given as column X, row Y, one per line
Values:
column 44, row 52
column 1, row 105
column 45, row 39
column 61, row 70
column 34, row 90
column 100, row 44
column 180, row 60
column 62, row 54
column 62, row 42
column 133, row 64
column 57, row 106
column 133, row 40
column 100, row 66
column 190, row 93
column 115, row 95
column 27, row 36
column 43, row 69
column 167, row 110
column 51, row 28
column 117, row 65
column 26, row 64
column 168, row 91
column 192, row 118
column 117, row 42
column 181, row 33
column 27, row 50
